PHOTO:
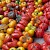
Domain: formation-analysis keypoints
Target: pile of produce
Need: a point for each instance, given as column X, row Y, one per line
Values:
column 21, row 21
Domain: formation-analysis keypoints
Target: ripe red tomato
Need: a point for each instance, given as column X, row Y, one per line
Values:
column 45, row 46
column 16, row 35
column 5, row 47
column 12, row 44
column 7, row 39
column 39, row 33
column 43, row 19
column 20, row 26
column 43, row 26
column 34, row 46
column 23, row 22
column 47, row 37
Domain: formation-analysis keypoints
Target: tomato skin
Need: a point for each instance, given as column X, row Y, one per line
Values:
column 47, row 37
column 39, row 33
column 34, row 46
column 43, row 26
column 5, row 47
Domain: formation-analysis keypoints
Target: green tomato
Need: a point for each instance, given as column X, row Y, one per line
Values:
column 20, row 48
column 40, row 13
column 27, row 29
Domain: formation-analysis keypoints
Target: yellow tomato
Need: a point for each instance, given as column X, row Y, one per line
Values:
column 31, row 32
column 5, row 20
column 1, row 43
column 13, row 48
column 8, row 1
column 22, row 0
column 26, row 28
column 4, row 8
column 23, row 4
column 10, row 30
column 20, row 48
column 2, row 35
column 12, row 24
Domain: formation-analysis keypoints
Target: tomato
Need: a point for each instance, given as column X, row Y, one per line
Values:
column 43, row 26
column 47, row 37
column 23, row 21
column 1, row 43
column 19, row 43
column 2, row 36
column 20, row 48
column 34, row 46
column 5, row 47
column 12, row 24
column 12, row 44
column 7, row 38
column 22, row 39
column 25, row 45
column 20, row 26
column 43, row 19
column 39, row 33
column 12, row 48
column 16, row 35
column 29, row 40
column 5, row 20
column 10, row 30
column 45, row 46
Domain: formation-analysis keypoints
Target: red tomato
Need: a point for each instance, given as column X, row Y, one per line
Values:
column 45, row 46
column 43, row 26
column 34, row 46
column 47, row 37
column 5, row 47
column 16, row 35
column 43, row 19
column 23, row 22
column 12, row 44
column 39, row 33
column 7, row 39
column 20, row 26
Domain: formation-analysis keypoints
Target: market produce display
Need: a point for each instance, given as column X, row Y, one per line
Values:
column 21, row 21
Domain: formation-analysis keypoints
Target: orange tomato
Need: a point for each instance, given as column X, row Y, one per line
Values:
column 22, row 39
column 29, row 40
column 19, row 43
column 25, row 45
